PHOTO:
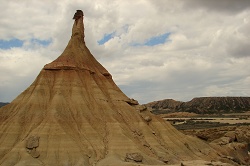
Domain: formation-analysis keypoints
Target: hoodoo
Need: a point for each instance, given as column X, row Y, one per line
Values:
column 74, row 114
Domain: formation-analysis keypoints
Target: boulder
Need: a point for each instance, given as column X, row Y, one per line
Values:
column 32, row 142
column 136, row 157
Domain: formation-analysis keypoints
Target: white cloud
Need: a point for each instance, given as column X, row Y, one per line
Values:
column 207, row 52
column 18, row 69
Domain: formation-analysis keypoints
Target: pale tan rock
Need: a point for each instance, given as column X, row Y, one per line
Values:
column 137, row 157
column 132, row 102
column 34, row 153
column 147, row 118
column 223, row 141
column 140, row 108
column 32, row 142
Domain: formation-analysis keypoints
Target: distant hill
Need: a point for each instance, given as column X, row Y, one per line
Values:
column 3, row 104
column 202, row 105
column 164, row 106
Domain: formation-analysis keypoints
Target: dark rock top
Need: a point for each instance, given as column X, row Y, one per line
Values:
column 78, row 14
column 3, row 104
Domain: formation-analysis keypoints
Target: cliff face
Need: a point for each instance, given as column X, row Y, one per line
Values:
column 203, row 105
column 217, row 105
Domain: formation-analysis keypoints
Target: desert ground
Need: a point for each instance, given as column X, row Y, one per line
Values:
column 212, row 128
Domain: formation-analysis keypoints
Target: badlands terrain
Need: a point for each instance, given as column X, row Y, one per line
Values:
column 216, row 120
column 74, row 114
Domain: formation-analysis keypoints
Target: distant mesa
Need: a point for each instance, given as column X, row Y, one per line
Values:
column 3, row 104
column 74, row 114
column 202, row 105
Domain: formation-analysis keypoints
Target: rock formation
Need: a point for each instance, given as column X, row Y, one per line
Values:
column 74, row 114
column 164, row 106
column 3, row 104
column 235, row 140
column 202, row 105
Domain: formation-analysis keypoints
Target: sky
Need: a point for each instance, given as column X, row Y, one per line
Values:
column 154, row 49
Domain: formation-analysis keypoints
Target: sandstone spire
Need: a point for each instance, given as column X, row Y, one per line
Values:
column 76, row 55
column 74, row 114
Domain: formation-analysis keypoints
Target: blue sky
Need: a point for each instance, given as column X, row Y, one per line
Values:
column 155, row 40
column 7, row 44
column 106, row 38
column 161, row 39
column 41, row 42
column 12, row 43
